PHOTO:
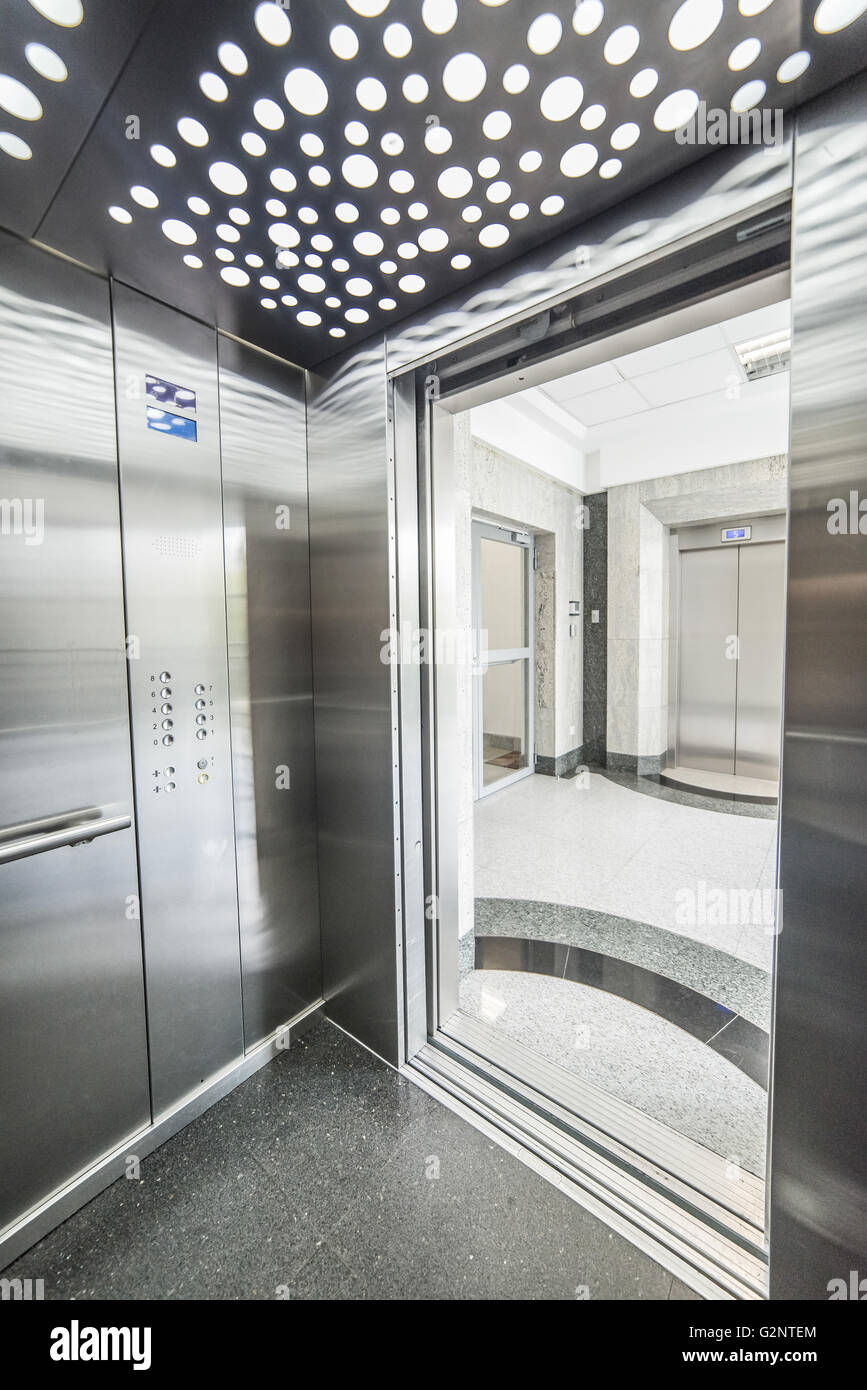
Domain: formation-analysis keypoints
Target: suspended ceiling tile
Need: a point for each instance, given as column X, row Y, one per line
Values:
column 383, row 148
column 661, row 355
column 698, row 376
column 774, row 319
column 580, row 383
column 58, row 59
column 612, row 403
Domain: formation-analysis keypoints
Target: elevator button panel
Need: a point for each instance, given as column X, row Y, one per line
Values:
column 171, row 724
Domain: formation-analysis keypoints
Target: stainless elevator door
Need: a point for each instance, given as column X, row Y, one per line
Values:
column 761, row 633
column 707, row 696
column 73, row 1055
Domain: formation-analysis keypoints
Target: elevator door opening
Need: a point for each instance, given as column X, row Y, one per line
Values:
column 730, row 658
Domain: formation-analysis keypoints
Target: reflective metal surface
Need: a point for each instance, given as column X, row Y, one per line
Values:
column 818, row 1189
column 349, row 544
column 176, row 620
column 264, row 454
column 707, row 683
column 73, row 1060
column 761, row 635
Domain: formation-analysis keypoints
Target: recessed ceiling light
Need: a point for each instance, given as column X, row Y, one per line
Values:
column 308, row 318
column 359, row 287
column 223, row 253
column 232, row 58
column 397, row 40
column 588, row 16
column 332, row 302
column 18, row 100
column 460, row 262
column 464, row 77
column 313, row 260
column 530, row 161
column 269, row 282
column 549, row 207
column 240, row 215
column 471, row 213
column 610, row 169
column 368, row 243
column 198, row 206
column 283, row 180
column 401, row 181
column 439, row 15
column 621, row 44
column 337, row 332
column 390, row 216
column 121, row 215
column 371, row 94
column 234, row 275
column 254, row 260
column 305, row 91
column 544, row 34
column 311, row 284
column 194, row 262
column 625, row 136
column 411, row 284
column 347, row 212
column 433, row 239
column 268, row 113
column 516, row 78
column 360, row 171
column 16, row 147
column 227, row 232
column 273, row 24
column 407, row 250
column 743, row 54
column 391, row 143
column 161, row 154
column 495, row 234
column 275, row 207
column 145, row 197
column 792, row 67
column 321, row 242
column 283, row 235
column 415, row 87
column 497, row 125
column 180, row 232
column 417, row 211
column 749, row 95
column 213, row 86
column 46, row 62
column 455, row 182
column 286, row 260
column 308, row 215
column 387, row 304
column 368, row 8
column 438, row 139
column 519, row 211
column 766, row 356
column 693, row 23
column 268, row 303
column 192, row 131
column 498, row 192
column 579, row 160
column 357, row 315
column 228, row 178
column 253, row 143
column 343, row 41
column 561, row 99
column 751, row 7
column 388, row 267
column 340, row 264
column 676, row 109
column 834, row 15
column 356, row 133
column 592, row 118
column 488, row 167
column 65, row 13
column 289, row 300
column 644, row 82
column 319, row 175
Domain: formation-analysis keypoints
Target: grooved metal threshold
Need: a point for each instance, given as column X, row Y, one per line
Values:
column 676, row 1200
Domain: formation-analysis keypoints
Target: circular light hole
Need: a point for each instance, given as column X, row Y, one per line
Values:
column 145, row 197
column 121, row 215
column 488, row 167
column 544, row 34
column 751, row 7
column 519, row 211
column 311, row 284
column 592, row 118
column 198, row 206
column 227, row 232
column 179, row 232
column 464, row 77
column 228, row 178
column 644, row 82
column 268, row 113
column 223, row 253
column 65, row 13
column 587, row 17
column 792, row 67
column 343, row 41
column 15, row 147
column 283, row 235
column 46, row 62
column 371, row 94
column 495, row 234
column 269, row 282
column 305, row 91
column 549, row 207
column 359, row 287
column 439, row 15
column 407, row 250
column 308, row 215
column 368, row 8
column 417, row 211
column 437, row 139
column 415, row 87
column 387, row 303
column 460, row 262
column 749, row 95
column 621, row 45
column 471, row 213
column 313, row 260
column 321, row 242
column 308, row 318
column 286, row 259
column 397, row 40
column 530, row 161
column 232, row 58
column 625, row 136
column 319, row 175
column 516, row 78
column 360, row 171
column 240, row 216
column 610, row 169
column 388, row 267
column 411, row 284
column 253, row 143
column 340, row 265
column 18, row 100
column 356, row 133
column 498, row 192
column 273, row 24
column 282, row 180
column 497, row 125
column 455, row 182
column 561, row 99
column 194, row 262
column 743, row 54
column 346, row 212
column 693, row 23
column 337, row 332
column 275, row 207
column 161, row 154
column 578, row 161
column 390, row 216
column 368, row 243
column 213, row 86
column 401, row 181
column 834, row 15
column 332, row 302
column 676, row 109
column 391, row 143
column 192, row 131
column 254, row 260
column 433, row 239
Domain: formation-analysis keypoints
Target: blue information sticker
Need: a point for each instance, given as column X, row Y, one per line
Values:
column 177, row 425
column 167, row 393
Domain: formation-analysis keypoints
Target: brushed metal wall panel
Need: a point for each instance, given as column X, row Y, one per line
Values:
column 818, row 1228
column 264, row 452
column 761, row 632
column 176, row 612
column 73, row 1054
column 349, row 539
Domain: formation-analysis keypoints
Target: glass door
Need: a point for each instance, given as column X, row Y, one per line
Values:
column 503, row 624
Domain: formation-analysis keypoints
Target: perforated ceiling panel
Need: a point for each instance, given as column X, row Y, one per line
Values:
column 305, row 174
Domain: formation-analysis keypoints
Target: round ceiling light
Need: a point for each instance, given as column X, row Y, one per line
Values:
column 371, row 94
column 411, row 284
column 228, row 178
column 234, row 275
column 46, row 62
column 497, row 125
column 834, row 15
column 311, row 284
column 676, row 109
column 164, row 156
column 743, row 54
column 198, row 206
column 192, row 131
column 417, row 211
column 792, row 67
column 460, row 262
column 415, row 87
column 360, row 171
column 357, row 315
column 145, row 197
column 530, row 161
column 356, row 132
column 407, row 250
column 268, row 113
column 343, row 41
column 273, row 24
column 488, row 167
column 240, row 215
column 311, row 145
column 519, row 210
column 18, row 100
column 544, row 34
column 368, row 9
column 194, row 262
column 621, row 44
column 644, row 82
column 359, row 287
column 437, row 139
column 17, row 148
column 498, row 192
column 693, row 24
column 401, row 181
column 561, row 99
column 610, row 169
column 253, row 144
column 579, row 160
column 433, row 239
column 391, row 143
column 121, row 215
column 213, row 86
column 397, row 40
column 67, row 14
column 227, row 232
column 549, row 207
column 749, row 95
column 390, row 216
column 439, row 15
column 387, row 303
column 592, row 118
column 516, row 78
column 625, row 136
column 283, row 180
column 751, row 7
column 587, row 17
column 275, row 207
column 471, row 213
column 232, row 58
column 495, row 234
column 455, row 182
column 346, row 212
column 319, row 175
column 464, row 77
column 368, row 243
column 180, row 232
column 283, row 235
column 305, row 91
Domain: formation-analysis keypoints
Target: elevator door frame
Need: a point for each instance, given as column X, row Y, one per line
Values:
column 482, row 529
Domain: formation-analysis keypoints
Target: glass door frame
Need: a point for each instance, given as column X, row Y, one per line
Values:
column 484, row 529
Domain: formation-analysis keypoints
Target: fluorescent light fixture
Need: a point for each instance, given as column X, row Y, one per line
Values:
column 766, row 356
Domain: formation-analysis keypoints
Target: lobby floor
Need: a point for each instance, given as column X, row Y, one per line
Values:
column 330, row 1176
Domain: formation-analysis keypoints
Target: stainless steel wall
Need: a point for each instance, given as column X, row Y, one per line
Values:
column 819, row 1135
column 349, row 533
column 264, row 454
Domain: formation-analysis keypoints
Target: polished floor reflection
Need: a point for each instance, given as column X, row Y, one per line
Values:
column 624, row 931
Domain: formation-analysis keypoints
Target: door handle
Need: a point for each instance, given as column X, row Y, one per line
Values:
column 71, row 831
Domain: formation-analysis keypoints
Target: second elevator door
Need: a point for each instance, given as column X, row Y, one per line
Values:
column 732, row 625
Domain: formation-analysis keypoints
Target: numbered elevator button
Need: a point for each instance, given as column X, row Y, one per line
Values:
column 200, row 690
column 201, row 719
column 165, row 675
column 170, row 772
column 203, row 777
column 165, row 692
column 168, row 724
column 202, row 764
column 200, row 704
column 200, row 733
column 166, row 709
column 170, row 786
column 168, row 740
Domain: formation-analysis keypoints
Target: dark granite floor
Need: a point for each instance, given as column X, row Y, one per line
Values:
column 314, row 1180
